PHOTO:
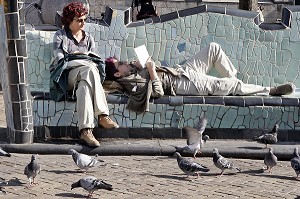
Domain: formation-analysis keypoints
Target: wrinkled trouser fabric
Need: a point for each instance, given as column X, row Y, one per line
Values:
column 91, row 99
column 195, row 80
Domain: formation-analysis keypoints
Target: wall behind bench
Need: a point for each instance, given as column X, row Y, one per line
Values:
column 264, row 57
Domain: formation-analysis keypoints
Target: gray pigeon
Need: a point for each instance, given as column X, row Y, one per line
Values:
column 32, row 170
column 83, row 161
column 268, row 138
column 4, row 153
column 194, row 138
column 189, row 167
column 2, row 191
column 270, row 160
column 295, row 162
column 91, row 184
column 222, row 163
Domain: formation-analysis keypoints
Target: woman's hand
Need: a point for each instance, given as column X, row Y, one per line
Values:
column 76, row 53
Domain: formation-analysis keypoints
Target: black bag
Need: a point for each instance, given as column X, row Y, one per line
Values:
column 147, row 10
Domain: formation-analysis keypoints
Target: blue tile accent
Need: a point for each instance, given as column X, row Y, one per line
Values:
column 181, row 47
column 234, row 101
column 253, row 101
column 214, row 100
column 286, row 17
column 192, row 11
column 169, row 16
column 215, row 9
column 272, row 101
column 290, row 101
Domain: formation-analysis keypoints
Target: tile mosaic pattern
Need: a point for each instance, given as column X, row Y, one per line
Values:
column 14, row 79
column 264, row 57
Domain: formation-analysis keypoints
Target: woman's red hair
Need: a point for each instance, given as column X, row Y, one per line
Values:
column 71, row 10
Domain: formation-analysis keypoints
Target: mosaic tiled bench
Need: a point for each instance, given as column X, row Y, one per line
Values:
column 265, row 54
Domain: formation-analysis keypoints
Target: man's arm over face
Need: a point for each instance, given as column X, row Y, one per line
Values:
column 157, row 89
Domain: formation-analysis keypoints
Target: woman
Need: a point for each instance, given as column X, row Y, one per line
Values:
column 188, row 79
column 81, row 73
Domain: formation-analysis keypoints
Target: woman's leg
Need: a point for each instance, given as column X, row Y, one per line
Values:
column 91, row 101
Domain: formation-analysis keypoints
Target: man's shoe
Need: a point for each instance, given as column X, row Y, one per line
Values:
column 105, row 122
column 284, row 89
column 88, row 137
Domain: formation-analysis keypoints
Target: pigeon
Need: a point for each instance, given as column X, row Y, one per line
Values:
column 270, row 160
column 32, row 170
column 83, row 161
column 189, row 167
column 91, row 184
column 3, row 182
column 268, row 138
column 295, row 162
column 2, row 191
column 4, row 153
column 194, row 138
column 222, row 163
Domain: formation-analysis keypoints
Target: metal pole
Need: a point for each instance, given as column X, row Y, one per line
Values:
column 19, row 96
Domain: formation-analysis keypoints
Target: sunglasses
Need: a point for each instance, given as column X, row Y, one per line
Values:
column 81, row 20
column 121, row 63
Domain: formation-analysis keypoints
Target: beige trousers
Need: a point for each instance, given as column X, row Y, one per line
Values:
column 195, row 80
column 91, row 99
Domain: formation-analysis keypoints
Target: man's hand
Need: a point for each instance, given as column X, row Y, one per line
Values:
column 150, row 64
column 151, row 68
column 137, row 64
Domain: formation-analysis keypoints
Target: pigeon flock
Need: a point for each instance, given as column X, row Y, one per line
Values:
column 83, row 161
column 195, row 142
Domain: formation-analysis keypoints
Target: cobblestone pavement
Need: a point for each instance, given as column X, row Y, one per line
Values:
column 148, row 177
column 144, row 177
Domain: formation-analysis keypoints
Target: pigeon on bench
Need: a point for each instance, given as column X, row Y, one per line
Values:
column 268, row 138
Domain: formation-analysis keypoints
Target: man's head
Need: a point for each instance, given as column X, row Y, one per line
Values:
column 116, row 69
column 74, row 12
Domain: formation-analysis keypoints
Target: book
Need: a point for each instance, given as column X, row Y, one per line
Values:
column 142, row 54
column 89, row 53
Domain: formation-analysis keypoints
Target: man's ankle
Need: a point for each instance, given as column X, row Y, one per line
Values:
column 284, row 89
